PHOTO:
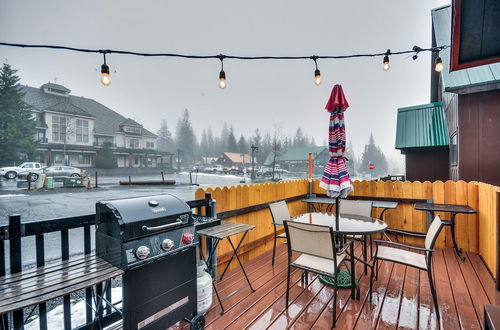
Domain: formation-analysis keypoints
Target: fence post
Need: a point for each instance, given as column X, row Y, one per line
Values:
column 211, row 211
column 96, row 183
column 16, row 259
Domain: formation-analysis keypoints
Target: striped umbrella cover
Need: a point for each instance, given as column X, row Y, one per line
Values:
column 335, row 178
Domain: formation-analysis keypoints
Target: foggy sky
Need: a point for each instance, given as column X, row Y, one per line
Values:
column 260, row 94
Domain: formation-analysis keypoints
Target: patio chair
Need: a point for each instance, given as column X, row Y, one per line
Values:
column 318, row 254
column 280, row 213
column 395, row 253
column 363, row 208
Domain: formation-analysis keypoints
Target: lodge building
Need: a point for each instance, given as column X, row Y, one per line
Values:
column 72, row 129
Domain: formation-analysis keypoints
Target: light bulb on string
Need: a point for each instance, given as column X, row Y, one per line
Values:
column 438, row 64
column 105, row 80
column 317, row 73
column 222, row 74
column 387, row 66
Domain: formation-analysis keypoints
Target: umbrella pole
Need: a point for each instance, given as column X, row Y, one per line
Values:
column 337, row 214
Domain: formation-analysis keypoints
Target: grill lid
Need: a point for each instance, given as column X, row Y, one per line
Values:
column 142, row 209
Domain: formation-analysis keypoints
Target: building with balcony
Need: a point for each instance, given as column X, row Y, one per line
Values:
column 72, row 129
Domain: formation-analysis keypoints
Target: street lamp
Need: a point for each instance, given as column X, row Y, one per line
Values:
column 254, row 149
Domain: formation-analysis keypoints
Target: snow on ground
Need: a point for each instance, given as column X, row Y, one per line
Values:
column 13, row 195
column 55, row 318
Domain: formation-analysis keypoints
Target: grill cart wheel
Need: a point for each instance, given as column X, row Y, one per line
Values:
column 198, row 322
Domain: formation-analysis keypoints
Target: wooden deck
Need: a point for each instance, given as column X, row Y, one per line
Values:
column 401, row 297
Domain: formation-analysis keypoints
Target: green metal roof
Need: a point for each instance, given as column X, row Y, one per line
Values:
column 295, row 154
column 480, row 75
column 421, row 126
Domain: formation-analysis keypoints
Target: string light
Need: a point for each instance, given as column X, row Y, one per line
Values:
column 105, row 80
column 438, row 65
column 317, row 73
column 222, row 74
column 387, row 66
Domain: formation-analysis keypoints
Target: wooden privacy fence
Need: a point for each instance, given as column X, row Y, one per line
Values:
column 475, row 232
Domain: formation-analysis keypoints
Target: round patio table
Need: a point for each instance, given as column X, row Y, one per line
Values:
column 349, row 224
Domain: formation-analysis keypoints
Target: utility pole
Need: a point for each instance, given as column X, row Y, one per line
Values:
column 254, row 149
column 179, row 152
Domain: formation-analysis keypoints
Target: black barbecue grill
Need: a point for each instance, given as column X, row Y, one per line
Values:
column 153, row 239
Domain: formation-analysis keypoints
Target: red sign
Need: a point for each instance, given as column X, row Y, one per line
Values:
column 371, row 166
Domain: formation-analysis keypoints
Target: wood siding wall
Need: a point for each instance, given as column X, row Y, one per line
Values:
column 475, row 232
column 479, row 137
column 427, row 164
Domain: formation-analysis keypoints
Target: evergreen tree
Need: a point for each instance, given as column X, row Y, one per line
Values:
column 17, row 127
column 211, row 144
column 185, row 139
column 300, row 140
column 312, row 143
column 373, row 154
column 204, row 152
column 165, row 140
column 349, row 154
column 232, row 146
column 243, row 145
column 224, row 138
column 265, row 149
column 105, row 158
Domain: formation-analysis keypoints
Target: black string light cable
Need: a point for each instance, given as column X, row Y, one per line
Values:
column 222, row 76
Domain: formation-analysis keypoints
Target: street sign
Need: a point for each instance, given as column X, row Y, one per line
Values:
column 371, row 166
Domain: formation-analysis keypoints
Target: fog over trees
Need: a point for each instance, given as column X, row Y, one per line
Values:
column 275, row 143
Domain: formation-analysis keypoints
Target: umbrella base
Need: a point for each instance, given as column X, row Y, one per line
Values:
column 343, row 280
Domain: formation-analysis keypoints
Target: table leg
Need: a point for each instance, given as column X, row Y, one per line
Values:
column 234, row 253
column 457, row 249
column 238, row 258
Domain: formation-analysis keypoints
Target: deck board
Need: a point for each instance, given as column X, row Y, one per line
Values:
column 401, row 297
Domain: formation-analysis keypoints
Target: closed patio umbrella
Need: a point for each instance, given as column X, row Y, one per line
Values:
column 335, row 178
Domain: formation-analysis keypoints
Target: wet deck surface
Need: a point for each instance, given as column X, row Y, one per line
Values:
column 401, row 297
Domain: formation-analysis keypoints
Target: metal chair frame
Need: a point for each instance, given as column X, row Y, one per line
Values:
column 348, row 247
column 276, row 223
column 428, row 259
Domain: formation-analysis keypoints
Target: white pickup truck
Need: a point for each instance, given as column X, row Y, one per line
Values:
column 14, row 171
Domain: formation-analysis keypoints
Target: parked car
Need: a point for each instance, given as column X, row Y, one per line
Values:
column 54, row 171
column 58, row 171
column 13, row 171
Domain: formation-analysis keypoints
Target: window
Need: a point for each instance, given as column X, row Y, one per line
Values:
column 133, row 143
column 137, row 160
column 150, row 145
column 133, row 130
column 82, row 130
column 58, row 158
column 84, row 159
column 454, row 149
column 59, row 128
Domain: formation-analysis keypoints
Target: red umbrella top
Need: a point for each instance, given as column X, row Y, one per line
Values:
column 337, row 99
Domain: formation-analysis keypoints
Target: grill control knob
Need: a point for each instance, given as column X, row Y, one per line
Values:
column 142, row 252
column 187, row 238
column 167, row 244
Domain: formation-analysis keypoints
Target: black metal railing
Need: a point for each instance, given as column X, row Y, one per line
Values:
column 11, row 260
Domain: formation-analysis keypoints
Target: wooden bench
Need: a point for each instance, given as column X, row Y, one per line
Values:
column 54, row 280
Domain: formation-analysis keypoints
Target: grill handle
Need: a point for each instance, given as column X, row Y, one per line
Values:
column 146, row 228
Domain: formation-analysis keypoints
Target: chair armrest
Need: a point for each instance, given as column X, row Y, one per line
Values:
column 377, row 242
column 404, row 232
column 345, row 247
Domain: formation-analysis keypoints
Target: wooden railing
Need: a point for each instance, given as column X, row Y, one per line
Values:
column 475, row 232
column 23, row 245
